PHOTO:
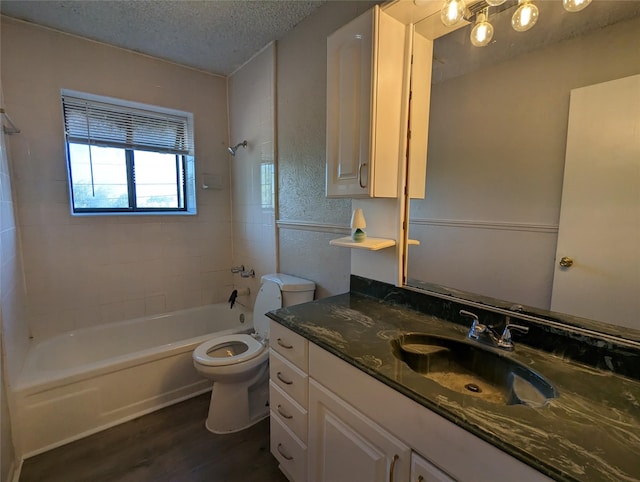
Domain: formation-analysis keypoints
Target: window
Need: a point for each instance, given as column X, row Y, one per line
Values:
column 127, row 157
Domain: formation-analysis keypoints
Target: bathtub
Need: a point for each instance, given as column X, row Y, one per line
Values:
column 87, row 380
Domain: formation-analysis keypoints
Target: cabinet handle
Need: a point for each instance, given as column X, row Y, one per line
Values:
column 420, row 478
column 393, row 466
column 287, row 457
column 360, row 175
column 283, row 380
column 280, row 342
column 283, row 414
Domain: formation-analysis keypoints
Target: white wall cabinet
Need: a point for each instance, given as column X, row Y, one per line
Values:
column 346, row 446
column 366, row 76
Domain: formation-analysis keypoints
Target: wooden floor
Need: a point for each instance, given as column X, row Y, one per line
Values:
column 169, row 445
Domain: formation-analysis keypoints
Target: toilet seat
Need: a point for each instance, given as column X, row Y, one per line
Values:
column 253, row 348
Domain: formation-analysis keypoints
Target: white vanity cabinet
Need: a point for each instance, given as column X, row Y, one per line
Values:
column 346, row 446
column 288, row 400
column 341, row 424
column 366, row 72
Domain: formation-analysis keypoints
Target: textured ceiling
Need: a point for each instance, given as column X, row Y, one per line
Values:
column 217, row 36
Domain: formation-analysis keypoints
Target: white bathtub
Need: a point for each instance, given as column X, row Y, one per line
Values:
column 84, row 381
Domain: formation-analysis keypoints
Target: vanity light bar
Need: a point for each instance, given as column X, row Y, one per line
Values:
column 524, row 18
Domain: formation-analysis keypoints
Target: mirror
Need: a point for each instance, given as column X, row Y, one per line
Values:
column 488, row 226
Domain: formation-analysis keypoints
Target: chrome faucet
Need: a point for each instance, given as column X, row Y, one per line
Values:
column 487, row 335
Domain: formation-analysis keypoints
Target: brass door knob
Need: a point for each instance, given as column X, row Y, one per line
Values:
column 566, row 262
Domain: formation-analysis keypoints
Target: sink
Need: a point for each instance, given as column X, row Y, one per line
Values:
column 472, row 369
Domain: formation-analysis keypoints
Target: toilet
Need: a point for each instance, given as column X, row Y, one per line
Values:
column 238, row 364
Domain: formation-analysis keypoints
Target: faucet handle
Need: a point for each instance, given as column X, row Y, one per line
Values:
column 506, row 334
column 468, row 314
column 476, row 326
column 523, row 329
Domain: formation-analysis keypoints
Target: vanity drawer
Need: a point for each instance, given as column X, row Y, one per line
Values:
column 288, row 411
column 290, row 452
column 289, row 378
column 289, row 344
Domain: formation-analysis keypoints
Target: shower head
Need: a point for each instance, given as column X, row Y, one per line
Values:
column 232, row 150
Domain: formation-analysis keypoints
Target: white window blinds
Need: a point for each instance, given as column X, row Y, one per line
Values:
column 93, row 122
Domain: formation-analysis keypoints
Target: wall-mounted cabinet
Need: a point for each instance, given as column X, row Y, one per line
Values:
column 366, row 118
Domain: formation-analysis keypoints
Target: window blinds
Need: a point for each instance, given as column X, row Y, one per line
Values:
column 113, row 125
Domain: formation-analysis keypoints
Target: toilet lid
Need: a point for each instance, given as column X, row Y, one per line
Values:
column 227, row 350
column 269, row 298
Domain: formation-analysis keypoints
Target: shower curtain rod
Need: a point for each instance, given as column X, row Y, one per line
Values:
column 11, row 128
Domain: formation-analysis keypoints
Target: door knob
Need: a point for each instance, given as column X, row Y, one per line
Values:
column 566, row 262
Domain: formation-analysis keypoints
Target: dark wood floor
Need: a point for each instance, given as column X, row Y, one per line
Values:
column 168, row 445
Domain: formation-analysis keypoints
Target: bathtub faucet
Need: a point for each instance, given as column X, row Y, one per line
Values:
column 232, row 298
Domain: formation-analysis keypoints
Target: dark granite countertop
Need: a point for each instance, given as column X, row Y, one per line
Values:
column 591, row 432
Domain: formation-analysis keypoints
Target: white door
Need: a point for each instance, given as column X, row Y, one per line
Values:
column 600, row 212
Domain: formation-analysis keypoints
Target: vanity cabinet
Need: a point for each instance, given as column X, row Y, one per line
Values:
column 346, row 446
column 344, row 425
column 366, row 72
column 288, row 400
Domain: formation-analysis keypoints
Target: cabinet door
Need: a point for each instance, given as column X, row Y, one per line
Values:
column 349, row 68
column 366, row 134
column 346, row 446
column 424, row 471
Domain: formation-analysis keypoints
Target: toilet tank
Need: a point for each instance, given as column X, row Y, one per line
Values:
column 294, row 290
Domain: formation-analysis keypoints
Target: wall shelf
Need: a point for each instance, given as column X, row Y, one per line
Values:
column 371, row 244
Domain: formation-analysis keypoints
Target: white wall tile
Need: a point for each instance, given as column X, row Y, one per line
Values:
column 107, row 267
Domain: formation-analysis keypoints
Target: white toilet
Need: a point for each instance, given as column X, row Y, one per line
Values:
column 239, row 364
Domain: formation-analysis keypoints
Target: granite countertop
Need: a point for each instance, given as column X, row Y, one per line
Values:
column 591, row 432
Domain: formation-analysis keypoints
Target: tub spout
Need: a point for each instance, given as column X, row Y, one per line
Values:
column 232, row 298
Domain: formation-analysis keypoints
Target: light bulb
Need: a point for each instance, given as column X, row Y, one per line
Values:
column 452, row 12
column 482, row 32
column 525, row 17
column 575, row 5
column 494, row 3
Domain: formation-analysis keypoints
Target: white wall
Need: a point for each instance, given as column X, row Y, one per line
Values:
column 310, row 218
column 252, row 118
column 489, row 221
column 82, row 271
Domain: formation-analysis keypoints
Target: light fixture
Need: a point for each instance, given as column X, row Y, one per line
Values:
column 525, row 16
column 482, row 32
column 452, row 12
column 575, row 5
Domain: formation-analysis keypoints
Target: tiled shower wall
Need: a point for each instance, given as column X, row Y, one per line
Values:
column 252, row 118
column 14, row 335
column 82, row 271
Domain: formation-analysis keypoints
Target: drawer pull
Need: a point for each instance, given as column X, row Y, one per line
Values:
column 284, row 345
column 392, row 467
column 420, row 478
column 283, row 380
column 285, row 415
column 287, row 457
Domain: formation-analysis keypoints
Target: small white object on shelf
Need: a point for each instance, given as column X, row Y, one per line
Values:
column 372, row 244
column 358, row 224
